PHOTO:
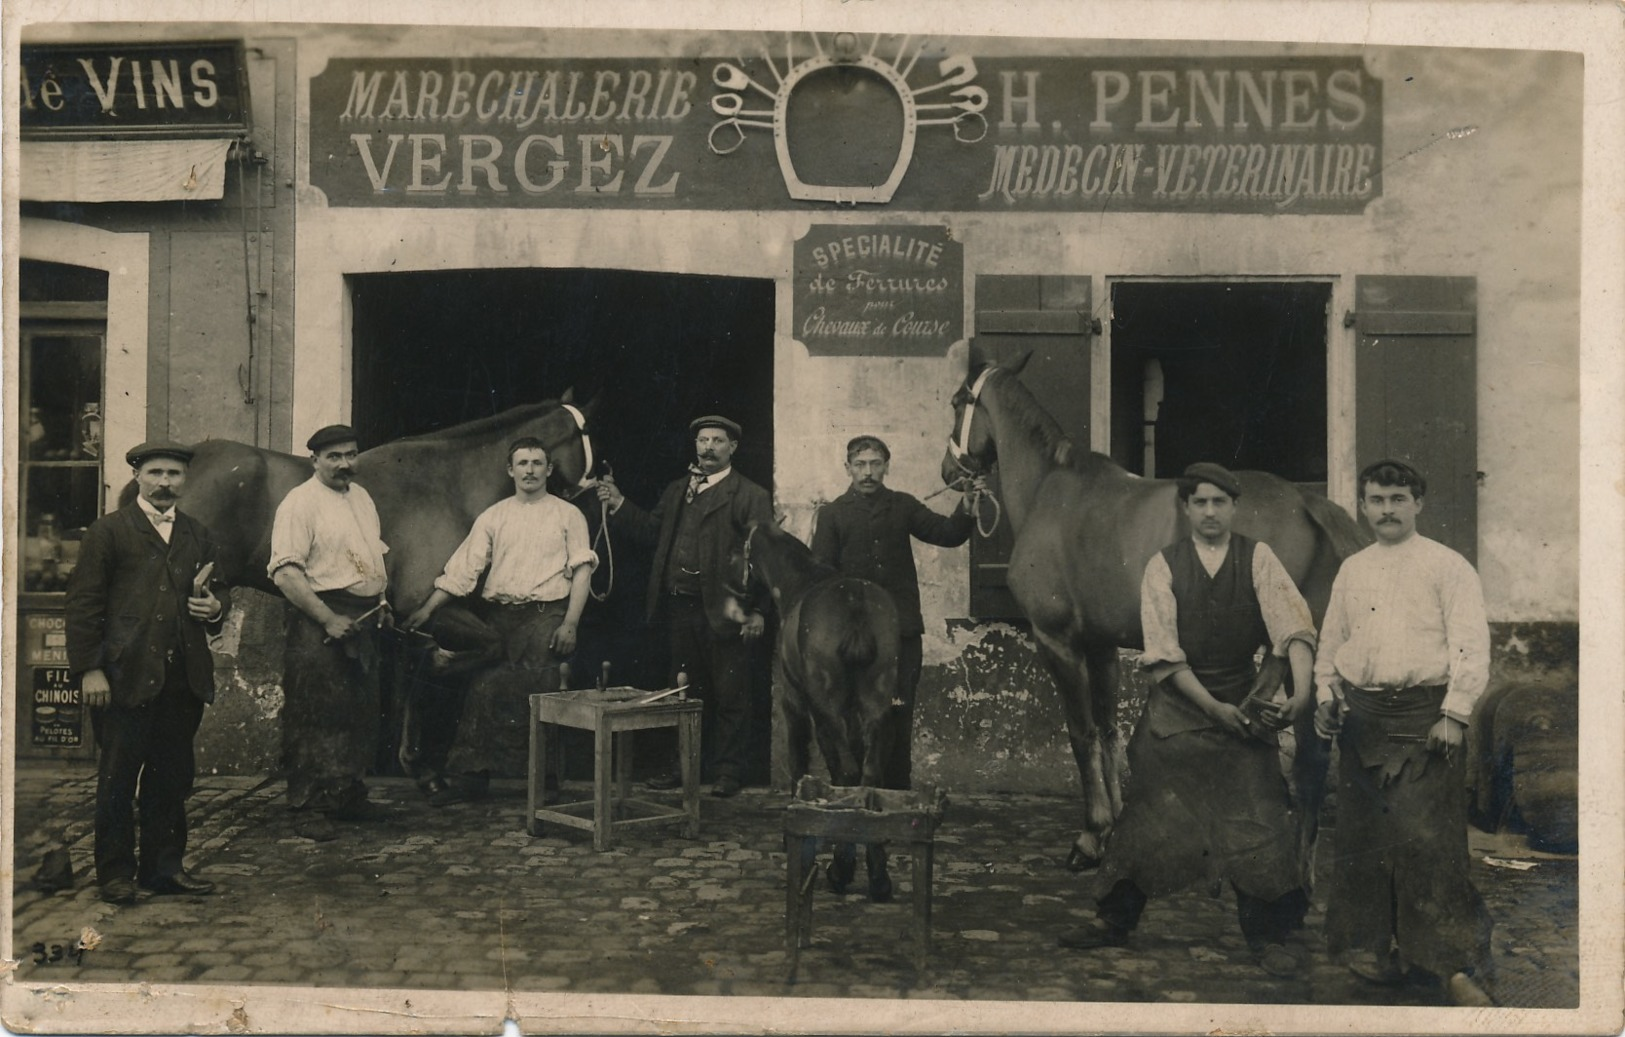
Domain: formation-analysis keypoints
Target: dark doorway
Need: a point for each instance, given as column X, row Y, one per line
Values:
column 1233, row 372
column 436, row 349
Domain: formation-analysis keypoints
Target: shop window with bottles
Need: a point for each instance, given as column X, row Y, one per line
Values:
column 61, row 437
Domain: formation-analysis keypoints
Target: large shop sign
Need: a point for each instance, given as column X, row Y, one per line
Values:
column 133, row 90
column 887, row 290
column 851, row 120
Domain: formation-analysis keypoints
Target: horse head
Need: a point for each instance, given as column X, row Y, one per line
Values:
column 566, row 433
column 971, row 450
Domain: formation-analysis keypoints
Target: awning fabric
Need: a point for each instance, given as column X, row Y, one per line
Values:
column 123, row 170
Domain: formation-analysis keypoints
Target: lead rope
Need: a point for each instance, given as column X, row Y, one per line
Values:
column 977, row 496
column 608, row 552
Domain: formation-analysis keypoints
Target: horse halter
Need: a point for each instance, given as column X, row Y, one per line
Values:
column 586, row 443
column 959, row 442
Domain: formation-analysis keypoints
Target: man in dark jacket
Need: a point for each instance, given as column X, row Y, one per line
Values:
column 866, row 532
column 699, row 519
column 140, row 605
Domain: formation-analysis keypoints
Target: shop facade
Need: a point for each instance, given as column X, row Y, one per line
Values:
column 1295, row 259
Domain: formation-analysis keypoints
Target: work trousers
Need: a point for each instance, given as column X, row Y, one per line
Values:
column 718, row 669
column 1263, row 922
column 493, row 733
column 145, row 757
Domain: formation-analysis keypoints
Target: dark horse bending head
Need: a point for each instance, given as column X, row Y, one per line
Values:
column 428, row 489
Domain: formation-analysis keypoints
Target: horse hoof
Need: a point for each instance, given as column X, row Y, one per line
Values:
column 880, row 890
column 1077, row 860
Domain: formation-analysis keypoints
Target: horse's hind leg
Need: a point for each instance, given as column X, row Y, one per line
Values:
column 842, row 867
column 1099, row 812
column 880, row 888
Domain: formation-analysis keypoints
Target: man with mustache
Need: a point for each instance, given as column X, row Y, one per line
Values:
column 327, row 558
column 1208, row 801
column 537, row 560
column 140, row 607
column 1404, row 655
column 699, row 519
column 866, row 532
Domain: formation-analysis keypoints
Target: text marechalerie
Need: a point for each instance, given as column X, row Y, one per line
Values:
column 521, row 97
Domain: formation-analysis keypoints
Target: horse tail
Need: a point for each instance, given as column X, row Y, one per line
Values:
column 857, row 648
column 1342, row 532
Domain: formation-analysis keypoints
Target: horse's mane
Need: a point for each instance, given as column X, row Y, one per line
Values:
column 799, row 555
column 483, row 428
column 1047, row 435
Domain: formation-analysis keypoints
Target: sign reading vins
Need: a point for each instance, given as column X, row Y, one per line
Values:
column 1272, row 134
column 878, row 290
column 133, row 90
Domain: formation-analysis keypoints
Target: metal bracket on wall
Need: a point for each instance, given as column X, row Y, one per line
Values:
column 1349, row 318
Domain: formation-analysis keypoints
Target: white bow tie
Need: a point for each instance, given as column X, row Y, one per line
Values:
column 164, row 517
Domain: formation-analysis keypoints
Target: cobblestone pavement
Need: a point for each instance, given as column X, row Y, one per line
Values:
column 463, row 898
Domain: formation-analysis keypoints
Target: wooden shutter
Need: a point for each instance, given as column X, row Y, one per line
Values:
column 1049, row 317
column 1416, row 393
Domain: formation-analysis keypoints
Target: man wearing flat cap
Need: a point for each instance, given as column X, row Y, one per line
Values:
column 327, row 559
column 699, row 519
column 140, row 606
column 1208, row 800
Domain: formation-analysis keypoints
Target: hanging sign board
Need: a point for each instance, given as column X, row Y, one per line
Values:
column 842, row 120
column 104, row 91
column 878, row 290
column 59, row 712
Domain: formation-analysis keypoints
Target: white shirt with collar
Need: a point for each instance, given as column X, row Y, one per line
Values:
column 162, row 521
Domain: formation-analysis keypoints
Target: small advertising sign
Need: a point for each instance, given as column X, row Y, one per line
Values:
column 59, row 712
column 45, row 640
column 879, row 290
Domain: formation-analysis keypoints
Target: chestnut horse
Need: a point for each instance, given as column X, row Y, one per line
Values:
column 1084, row 530
column 838, row 653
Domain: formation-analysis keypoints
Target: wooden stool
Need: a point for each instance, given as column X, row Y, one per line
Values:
column 612, row 714
column 846, row 814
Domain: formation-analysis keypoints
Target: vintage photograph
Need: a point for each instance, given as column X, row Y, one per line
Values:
column 817, row 519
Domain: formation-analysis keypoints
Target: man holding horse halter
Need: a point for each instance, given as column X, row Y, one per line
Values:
column 327, row 559
column 1208, row 800
column 865, row 532
column 1404, row 657
column 537, row 561
column 699, row 519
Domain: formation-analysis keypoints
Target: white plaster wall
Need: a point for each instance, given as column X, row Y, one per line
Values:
column 1481, row 179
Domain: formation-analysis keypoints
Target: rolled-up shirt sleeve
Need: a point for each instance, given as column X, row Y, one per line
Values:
column 1159, row 621
column 577, row 544
column 1334, row 631
column 1467, row 637
column 465, row 565
column 1286, row 614
column 292, row 536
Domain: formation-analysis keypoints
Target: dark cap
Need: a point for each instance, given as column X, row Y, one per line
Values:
column 330, row 435
column 727, row 425
column 1218, row 475
column 158, row 448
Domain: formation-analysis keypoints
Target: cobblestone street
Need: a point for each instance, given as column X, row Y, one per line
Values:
column 463, row 898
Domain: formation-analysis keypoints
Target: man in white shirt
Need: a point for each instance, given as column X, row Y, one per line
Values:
column 538, row 561
column 1404, row 655
column 327, row 559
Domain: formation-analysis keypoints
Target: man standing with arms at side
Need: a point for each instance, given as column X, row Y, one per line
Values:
column 327, row 558
column 1404, row 655
column 1208, row 799
column 538, row 563
column 865, row 532
column 140, row 605
column 699, row 519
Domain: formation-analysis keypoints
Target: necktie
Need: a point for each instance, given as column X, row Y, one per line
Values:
column 696, row 479
column 164, row 518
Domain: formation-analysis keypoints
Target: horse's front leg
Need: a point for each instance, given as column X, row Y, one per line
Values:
column 1072, row 681
column 466, row 642
column 880, row 887
column 1101, row 664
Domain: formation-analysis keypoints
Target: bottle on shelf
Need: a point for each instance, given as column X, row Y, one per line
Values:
column 90, row 432
column 49, row 545
column 36, row 433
